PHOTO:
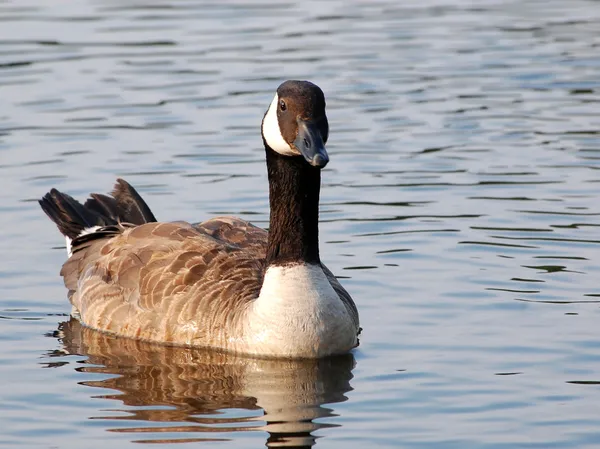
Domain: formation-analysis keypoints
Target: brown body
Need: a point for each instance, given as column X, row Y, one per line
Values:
column 174, row 283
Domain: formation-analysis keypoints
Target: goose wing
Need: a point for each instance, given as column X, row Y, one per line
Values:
column 237, row 232
column 169, row 282
column 343, row 295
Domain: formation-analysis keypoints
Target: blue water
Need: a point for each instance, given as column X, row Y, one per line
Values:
column 460, row 209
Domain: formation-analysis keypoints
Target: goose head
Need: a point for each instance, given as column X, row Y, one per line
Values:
column 295, row 123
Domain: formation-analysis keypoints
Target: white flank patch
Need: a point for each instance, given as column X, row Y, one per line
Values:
column 86, row 231
column 299, row 314
column 69, row 247
column 272, row 133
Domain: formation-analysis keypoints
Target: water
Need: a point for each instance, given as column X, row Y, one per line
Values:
column 460, row 208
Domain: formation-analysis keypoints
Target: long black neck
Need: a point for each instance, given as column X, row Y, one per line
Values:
column 294, row 199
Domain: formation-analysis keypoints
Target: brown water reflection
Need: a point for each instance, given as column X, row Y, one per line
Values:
column 176, row 394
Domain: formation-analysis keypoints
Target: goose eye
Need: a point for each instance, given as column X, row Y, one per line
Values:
column 282, row 105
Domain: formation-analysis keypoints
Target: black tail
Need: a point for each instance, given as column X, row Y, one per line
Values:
column 124, row 205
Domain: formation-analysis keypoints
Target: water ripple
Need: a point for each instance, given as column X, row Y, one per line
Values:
column 459, row 207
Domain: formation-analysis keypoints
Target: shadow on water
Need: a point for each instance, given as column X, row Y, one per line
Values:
column 182, row 392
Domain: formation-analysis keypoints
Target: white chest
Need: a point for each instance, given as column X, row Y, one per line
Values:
column 299, row 314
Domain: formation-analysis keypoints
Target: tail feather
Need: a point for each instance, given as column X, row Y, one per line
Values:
column 103, row 204
column 130, row 204
column 74, row 219
column 71, row 217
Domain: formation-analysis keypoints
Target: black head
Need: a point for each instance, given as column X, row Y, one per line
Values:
column 295, row 123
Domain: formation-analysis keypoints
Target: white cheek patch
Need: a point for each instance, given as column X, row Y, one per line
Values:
column 272, row 133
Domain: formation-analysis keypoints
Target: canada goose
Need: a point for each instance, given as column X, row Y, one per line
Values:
column 223, row 283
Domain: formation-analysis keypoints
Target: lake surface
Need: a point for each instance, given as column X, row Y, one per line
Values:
column 460, row 209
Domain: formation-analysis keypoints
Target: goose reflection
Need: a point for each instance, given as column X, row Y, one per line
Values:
column 186, row 391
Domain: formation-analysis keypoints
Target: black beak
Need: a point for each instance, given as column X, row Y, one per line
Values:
column 310, row 143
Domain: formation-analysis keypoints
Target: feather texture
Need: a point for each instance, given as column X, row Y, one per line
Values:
column 174, row 282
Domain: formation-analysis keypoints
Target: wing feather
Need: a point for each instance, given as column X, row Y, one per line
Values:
column 170, row 282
